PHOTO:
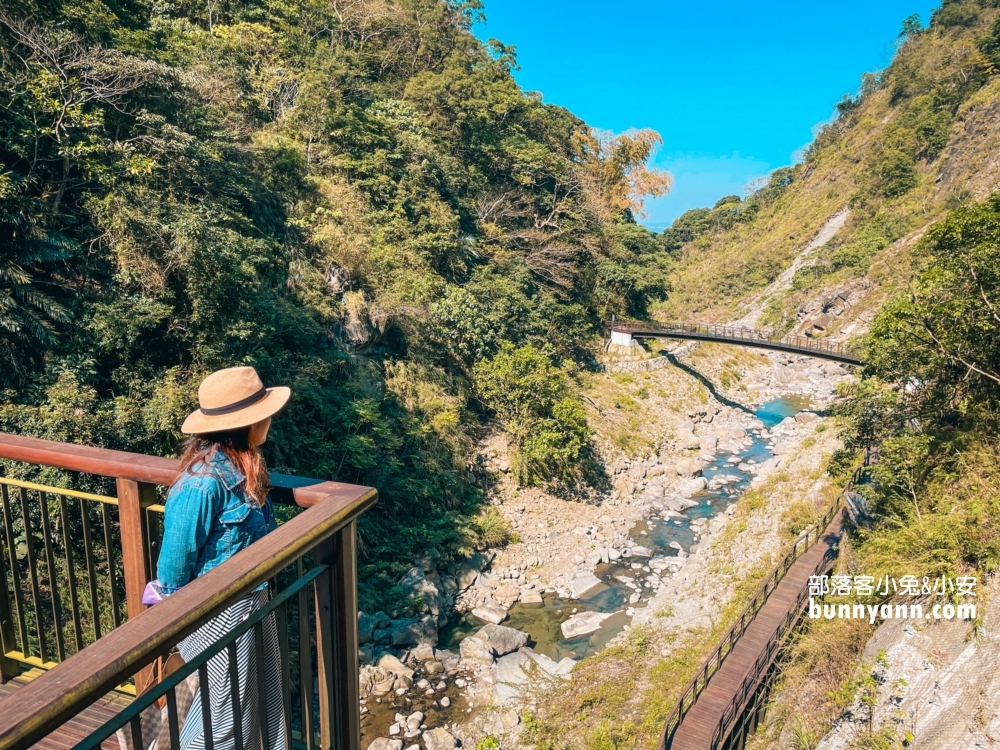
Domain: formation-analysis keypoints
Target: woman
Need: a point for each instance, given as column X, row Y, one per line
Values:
column 218, row 506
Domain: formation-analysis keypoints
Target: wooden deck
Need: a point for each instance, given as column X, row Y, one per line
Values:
column 77, row 728
column 699, row 725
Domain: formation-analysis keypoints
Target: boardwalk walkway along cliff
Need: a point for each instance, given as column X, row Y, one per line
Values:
column 622, row 332
column 71, row 658
column 719, row 708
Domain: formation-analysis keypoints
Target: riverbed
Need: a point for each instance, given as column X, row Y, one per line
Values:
column 630, row 582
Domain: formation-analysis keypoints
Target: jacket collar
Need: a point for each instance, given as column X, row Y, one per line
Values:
column 220, row 465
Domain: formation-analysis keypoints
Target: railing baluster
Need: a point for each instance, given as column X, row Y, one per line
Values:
column 260, row 694
column 88, row 553
column 74, row 599
column 206, row 708
column 15, row 569
column 109, row 547
column 8, row 667
column 50, row 564
column 172, row 723
column 136, row 726
column 29, row 543
column 305, row 666
column 234, row 694
column 281, row 622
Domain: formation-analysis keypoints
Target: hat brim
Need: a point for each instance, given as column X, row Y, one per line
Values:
column 199, row 423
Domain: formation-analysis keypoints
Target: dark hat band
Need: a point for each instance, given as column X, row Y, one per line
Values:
column 237, row 406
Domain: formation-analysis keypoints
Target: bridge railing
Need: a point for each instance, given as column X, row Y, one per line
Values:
column 62, row 585
column 750, row 336
column 728, row 641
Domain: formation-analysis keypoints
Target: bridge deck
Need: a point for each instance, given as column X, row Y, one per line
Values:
column 81, row 725
column 818, row 348
column 699, row 725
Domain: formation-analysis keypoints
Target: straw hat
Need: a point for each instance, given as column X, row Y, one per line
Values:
column 233, row 398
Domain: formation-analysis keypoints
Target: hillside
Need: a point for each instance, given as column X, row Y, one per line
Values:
column 354, row 197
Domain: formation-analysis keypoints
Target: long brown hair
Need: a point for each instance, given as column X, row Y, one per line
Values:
column 235, row 444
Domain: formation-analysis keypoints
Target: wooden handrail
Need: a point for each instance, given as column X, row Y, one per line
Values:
column 137, row 467
column 326, row 526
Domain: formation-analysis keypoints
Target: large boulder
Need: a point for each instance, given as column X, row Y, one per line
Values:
column 469, row 570
column 510, row 668
column 502, row 640
column 384, row 743
column 490, row 613
column 414, row 632
column 476, row 650
column 391, row 664
column 416, row 584
column 694, row 485
column 584, row 583
column 438, row 739
column 582, row 624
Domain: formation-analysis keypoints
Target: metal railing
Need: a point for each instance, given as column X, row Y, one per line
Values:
column 728, row 641
column 65, row 584
column 758, row 338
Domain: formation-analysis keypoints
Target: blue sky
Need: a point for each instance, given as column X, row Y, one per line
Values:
column 736, row 89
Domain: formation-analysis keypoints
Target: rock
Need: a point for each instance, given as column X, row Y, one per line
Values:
column 805, row 417
column 708, row 444
column 476, row 650
column 506, row 693
column 423, row 653
column 445, row 702
column 384, row 743
column 583, row 584
column 469, row 571
column 434, row 667
column 509, row 668
column 416, row 584
column 391, row 664
column 507, row 593
column 502, row 640
column 438, row 739
column 613, row 554
column 694, row 485
column 366, row 627
column 583, row 624
column 531, row 597
column 414, row 632
column 490, row 613
column 640, row 551
column 688, row 467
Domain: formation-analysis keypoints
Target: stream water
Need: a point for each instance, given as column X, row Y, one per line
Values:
column 620, row 579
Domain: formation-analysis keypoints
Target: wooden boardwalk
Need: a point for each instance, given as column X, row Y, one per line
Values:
column 81, row 725
column 753, row 654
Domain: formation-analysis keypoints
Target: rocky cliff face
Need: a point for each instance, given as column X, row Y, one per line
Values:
column 939, row 685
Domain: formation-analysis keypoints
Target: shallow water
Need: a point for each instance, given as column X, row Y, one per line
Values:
column 542, row 621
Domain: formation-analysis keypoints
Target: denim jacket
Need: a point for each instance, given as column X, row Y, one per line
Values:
column 208, row 519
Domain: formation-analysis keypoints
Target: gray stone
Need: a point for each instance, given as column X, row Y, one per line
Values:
column 366, row 627
column 414, row 632
column 502, row 640
column 805, row 417
column 510, row 668
column 694, row 485
column 469, row 571
column 384, row 743
column 640, row 551
column 438, row 739
column 531, row 597
column 476, row 650
column 583, row 624
column 416, row 584
column 490, row 613
column 390, row 663
column 583, row 584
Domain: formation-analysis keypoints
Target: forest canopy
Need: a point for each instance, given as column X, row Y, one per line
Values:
column 353, row 196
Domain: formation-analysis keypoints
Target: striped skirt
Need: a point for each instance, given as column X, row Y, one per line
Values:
column 220, row 697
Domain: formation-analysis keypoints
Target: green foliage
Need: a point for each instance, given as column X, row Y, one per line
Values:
column 357, row 200
column 962, row 13
column 489, row 742
column 534, row 401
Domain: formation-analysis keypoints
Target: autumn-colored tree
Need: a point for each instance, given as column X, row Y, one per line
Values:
column 615, row 172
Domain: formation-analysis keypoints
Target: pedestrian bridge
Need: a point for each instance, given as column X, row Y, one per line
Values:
column 623, row 332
